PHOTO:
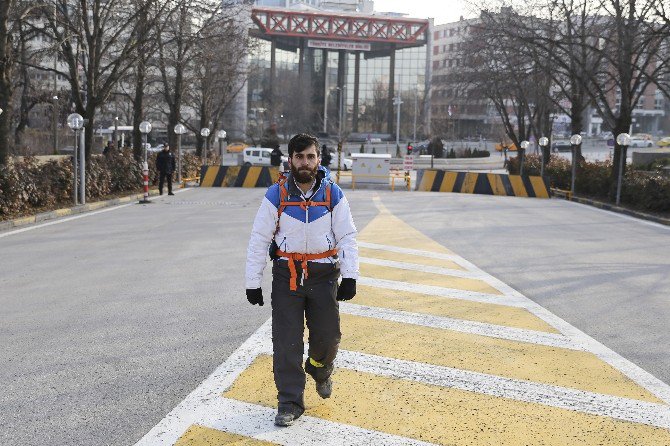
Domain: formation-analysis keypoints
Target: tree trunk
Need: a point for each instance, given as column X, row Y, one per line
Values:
column 5, row 78
column 138, row 110
column 577, row 123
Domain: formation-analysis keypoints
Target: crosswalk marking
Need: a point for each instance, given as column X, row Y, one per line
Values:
column 478, row 328
column 435, row 350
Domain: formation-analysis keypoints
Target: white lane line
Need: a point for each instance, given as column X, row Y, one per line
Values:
column 515, row 299
column 252, row 420
column 207, row 407
column 471, row 327
column 74, row 217
column 424, row 268
column 555, row 396
column 450, row 293
column 415, row 252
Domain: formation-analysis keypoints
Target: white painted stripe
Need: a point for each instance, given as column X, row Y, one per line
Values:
column 555, row 396
column 415, row 252
column 472, row 327
column 450, row 293
column 66, row 219
column 514, row 298
column 425, row 268
column 256, row 421
column 206, row 406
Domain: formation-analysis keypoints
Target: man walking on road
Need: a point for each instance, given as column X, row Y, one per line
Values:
column 305, row 222
column 165, row 163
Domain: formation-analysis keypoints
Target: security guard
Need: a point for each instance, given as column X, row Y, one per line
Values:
column 306, row 224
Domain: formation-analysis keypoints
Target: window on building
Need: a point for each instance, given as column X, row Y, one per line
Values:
column 436, row 50
column 451, row 47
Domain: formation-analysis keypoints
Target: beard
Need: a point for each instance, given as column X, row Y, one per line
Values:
column 305, row 174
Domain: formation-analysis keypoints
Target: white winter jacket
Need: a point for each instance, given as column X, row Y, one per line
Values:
column 311, row 231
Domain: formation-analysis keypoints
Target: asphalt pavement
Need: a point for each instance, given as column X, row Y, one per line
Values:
column 112, row 318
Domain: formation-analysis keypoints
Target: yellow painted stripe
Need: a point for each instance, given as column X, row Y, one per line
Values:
column 63, row 212
column 445, row 416
column 469, row 183
column 230, row 176
column 423, row 278
column 511, row 359
column 23, row 221
column 204, row 436
column 387, row 229
column 448, row 181
column 210, row 176
column 518, row 186
column 539, row 187
column 410, row 258
column 496, row 184
column 252, row 176
column 97, row 205
column 274, row 174
column 427, row 180
column 453, row 308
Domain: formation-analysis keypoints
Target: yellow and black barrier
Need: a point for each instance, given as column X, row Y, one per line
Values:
column 238, row 176
column 483, row 183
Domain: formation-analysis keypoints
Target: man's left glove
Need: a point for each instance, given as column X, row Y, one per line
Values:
column 347, row 289
column 255, row 296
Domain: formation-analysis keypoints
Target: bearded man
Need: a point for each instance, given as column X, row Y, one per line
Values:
column 305, row 223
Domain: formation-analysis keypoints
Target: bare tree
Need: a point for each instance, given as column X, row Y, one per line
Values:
column 98, row 40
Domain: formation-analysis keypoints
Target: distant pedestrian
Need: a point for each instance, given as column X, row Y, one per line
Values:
column 326, row 157
column 109, row 149
column 275, row 156
column 165, row 163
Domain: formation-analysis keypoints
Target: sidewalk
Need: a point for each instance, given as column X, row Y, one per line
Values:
column 45, row 216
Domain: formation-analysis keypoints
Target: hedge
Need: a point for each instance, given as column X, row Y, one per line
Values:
column 28, row 186
column 645, row 190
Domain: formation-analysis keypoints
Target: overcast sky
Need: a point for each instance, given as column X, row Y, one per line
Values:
column 444, row 11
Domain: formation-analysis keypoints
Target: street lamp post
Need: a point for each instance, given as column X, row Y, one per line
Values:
column 524, row 145
column 204, row 132
column 623, row 139
column 75, row 122
column 115, row 139
column 221, row 134
column 397, row 101
column 179, row 130
column 54, row 112
column 145, row 127
column 575, row 141
column 544, row 142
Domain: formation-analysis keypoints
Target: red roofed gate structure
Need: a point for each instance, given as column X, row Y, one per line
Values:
column 372, row 36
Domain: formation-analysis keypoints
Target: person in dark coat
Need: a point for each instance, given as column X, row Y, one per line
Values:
column 165, row 163
column 326, row 157
column 275, row 156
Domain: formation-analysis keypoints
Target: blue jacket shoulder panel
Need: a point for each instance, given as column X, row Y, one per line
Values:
column 273, row 196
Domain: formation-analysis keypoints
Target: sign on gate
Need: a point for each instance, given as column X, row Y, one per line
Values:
column 408, row 163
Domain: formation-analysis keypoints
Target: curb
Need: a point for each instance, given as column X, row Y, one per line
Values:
column 612, row 208
column 80, row 209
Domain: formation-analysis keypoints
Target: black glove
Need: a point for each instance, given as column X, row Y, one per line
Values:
column 255, row 296
column 347, row 289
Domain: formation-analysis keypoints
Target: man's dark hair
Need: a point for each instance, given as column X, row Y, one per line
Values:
column 300, row 142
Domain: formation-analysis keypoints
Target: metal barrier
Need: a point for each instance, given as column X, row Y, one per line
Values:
column 392, row 176
column 186, row 180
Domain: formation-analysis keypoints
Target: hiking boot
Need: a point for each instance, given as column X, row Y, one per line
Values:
column 324, row 388
column 287, row 414
column 170, row 193
column 321, row 375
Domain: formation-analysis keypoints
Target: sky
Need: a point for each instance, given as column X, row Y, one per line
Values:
column 443, row 11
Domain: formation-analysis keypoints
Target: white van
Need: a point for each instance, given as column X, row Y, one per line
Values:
column 258, row 156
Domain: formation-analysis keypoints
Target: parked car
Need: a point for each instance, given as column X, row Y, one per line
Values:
column 664, row 142
column 639, row 141
column 236, row 147
column 258, row 156
column 561, row 146
column 347, row 163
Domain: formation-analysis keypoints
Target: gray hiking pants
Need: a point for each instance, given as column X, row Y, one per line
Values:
column 315, row 301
